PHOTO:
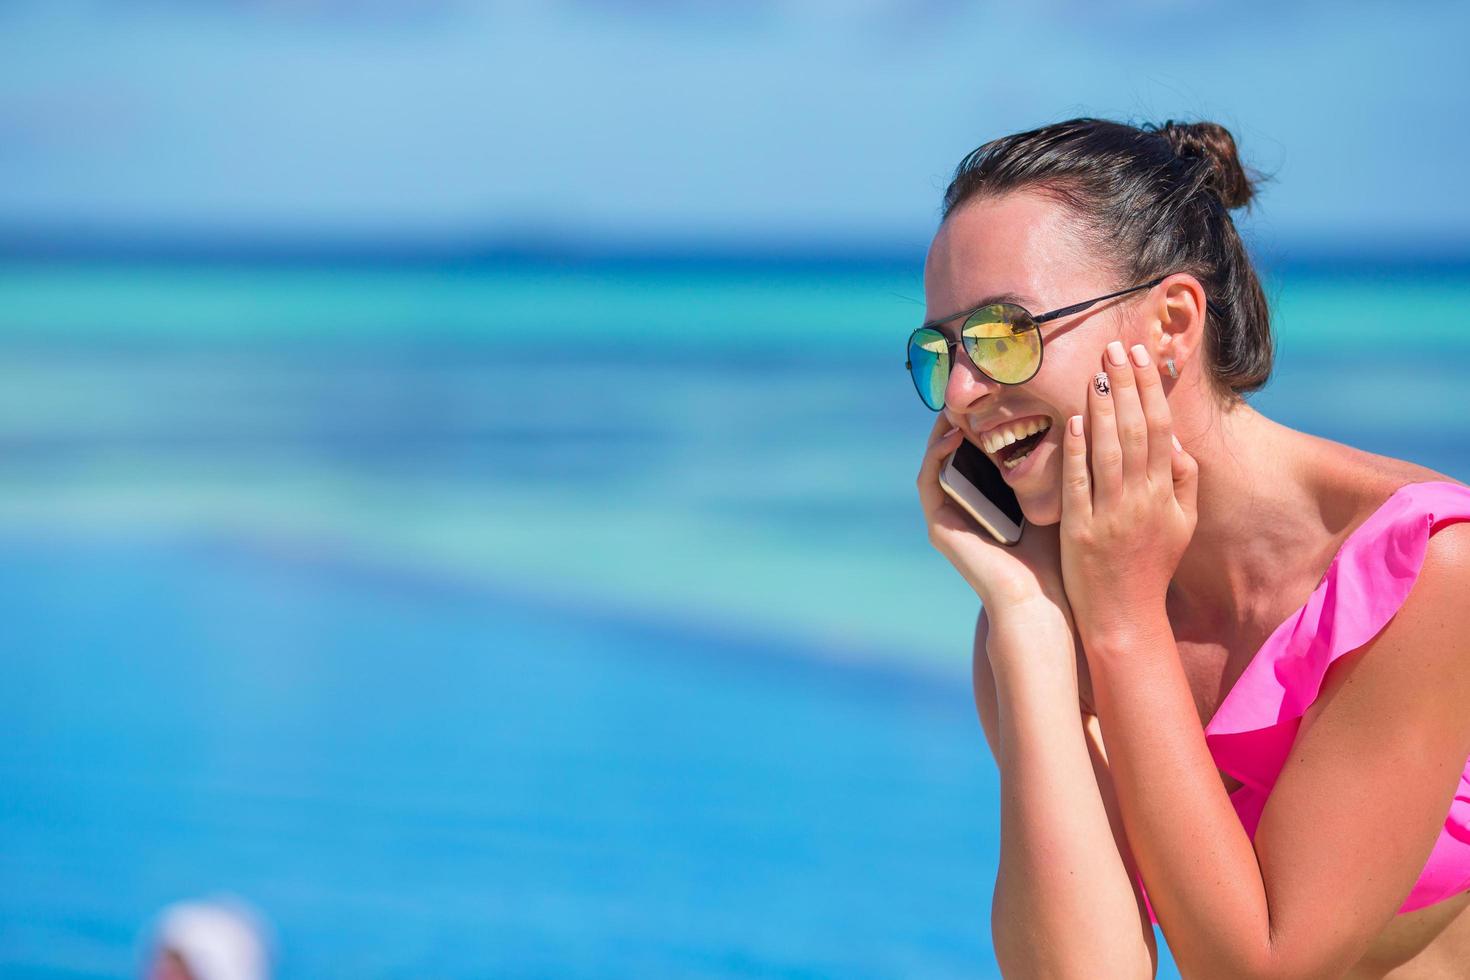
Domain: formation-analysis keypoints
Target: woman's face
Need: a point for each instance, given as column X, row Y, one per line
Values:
column 1025, row 244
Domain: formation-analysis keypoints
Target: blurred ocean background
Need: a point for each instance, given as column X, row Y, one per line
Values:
column 467, row 509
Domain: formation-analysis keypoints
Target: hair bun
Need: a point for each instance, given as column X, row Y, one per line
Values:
column 1212, row 143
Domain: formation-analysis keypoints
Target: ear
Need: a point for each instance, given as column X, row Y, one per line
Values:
column 1177, row 318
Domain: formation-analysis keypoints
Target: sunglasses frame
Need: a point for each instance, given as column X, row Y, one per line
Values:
column 1036, row 322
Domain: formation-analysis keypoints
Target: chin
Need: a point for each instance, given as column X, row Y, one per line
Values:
column 1042, row 507
column 1042, row 516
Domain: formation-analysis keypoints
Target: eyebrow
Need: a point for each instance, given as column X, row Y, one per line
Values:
column 1016, row 298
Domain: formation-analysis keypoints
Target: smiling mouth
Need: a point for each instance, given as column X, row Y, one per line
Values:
column 1011, row 456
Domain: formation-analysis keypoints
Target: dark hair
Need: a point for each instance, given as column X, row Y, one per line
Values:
column 1152, row 200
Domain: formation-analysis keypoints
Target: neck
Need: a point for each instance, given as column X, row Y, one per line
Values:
column 1253, row 491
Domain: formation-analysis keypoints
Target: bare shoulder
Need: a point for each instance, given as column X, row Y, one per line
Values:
column 1444, row 576
column 1353, row 483
column 1375, row 476
column 1429, row 637
column 1433, row 622
column 1447, row 556
column 1400, row 472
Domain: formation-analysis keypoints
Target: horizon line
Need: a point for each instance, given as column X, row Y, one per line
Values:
column 1299, row 253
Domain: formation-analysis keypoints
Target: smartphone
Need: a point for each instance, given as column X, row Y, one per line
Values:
column 976, row 485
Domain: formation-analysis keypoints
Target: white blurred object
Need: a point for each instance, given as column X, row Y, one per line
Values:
column 216, row 939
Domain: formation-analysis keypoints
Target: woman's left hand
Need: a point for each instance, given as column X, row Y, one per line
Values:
column 1126, row 523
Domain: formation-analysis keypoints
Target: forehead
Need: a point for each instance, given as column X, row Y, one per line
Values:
column 1022, row 243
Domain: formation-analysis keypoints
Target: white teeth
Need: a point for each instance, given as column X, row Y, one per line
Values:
column 1011, row 464
column 995, row 441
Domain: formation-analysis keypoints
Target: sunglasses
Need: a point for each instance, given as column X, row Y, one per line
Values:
column 1002, row 339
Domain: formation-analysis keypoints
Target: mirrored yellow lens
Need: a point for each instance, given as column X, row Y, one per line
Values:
column 1003, row 342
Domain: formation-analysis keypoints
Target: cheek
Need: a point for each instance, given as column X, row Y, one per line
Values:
column 1064, row 383
column 1053, row 397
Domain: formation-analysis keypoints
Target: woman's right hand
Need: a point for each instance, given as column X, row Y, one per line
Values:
column 1017, row 581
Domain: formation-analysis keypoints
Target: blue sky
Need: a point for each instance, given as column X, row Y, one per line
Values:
column 720, row 123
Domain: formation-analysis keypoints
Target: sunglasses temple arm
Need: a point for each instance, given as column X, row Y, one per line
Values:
column 1079, row 307
column 1067, row 310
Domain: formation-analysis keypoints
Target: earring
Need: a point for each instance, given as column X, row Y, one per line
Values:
column 1173, row 373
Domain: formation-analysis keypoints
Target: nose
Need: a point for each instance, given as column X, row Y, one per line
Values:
column 967, row 387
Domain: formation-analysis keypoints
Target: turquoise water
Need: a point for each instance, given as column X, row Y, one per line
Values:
column 528, row 619
column 416, row 778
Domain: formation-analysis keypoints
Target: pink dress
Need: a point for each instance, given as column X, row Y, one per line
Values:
column 1253, row 729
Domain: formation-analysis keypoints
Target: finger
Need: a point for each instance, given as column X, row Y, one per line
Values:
column 1157, row 417
column 1132, row 426
column 935, row 456
column 942, row 441
column 1103, row 452
column 1184, row 469
column 943, row 422
column 1076, row 484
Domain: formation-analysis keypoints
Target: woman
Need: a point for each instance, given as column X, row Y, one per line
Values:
column 1236, row 672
